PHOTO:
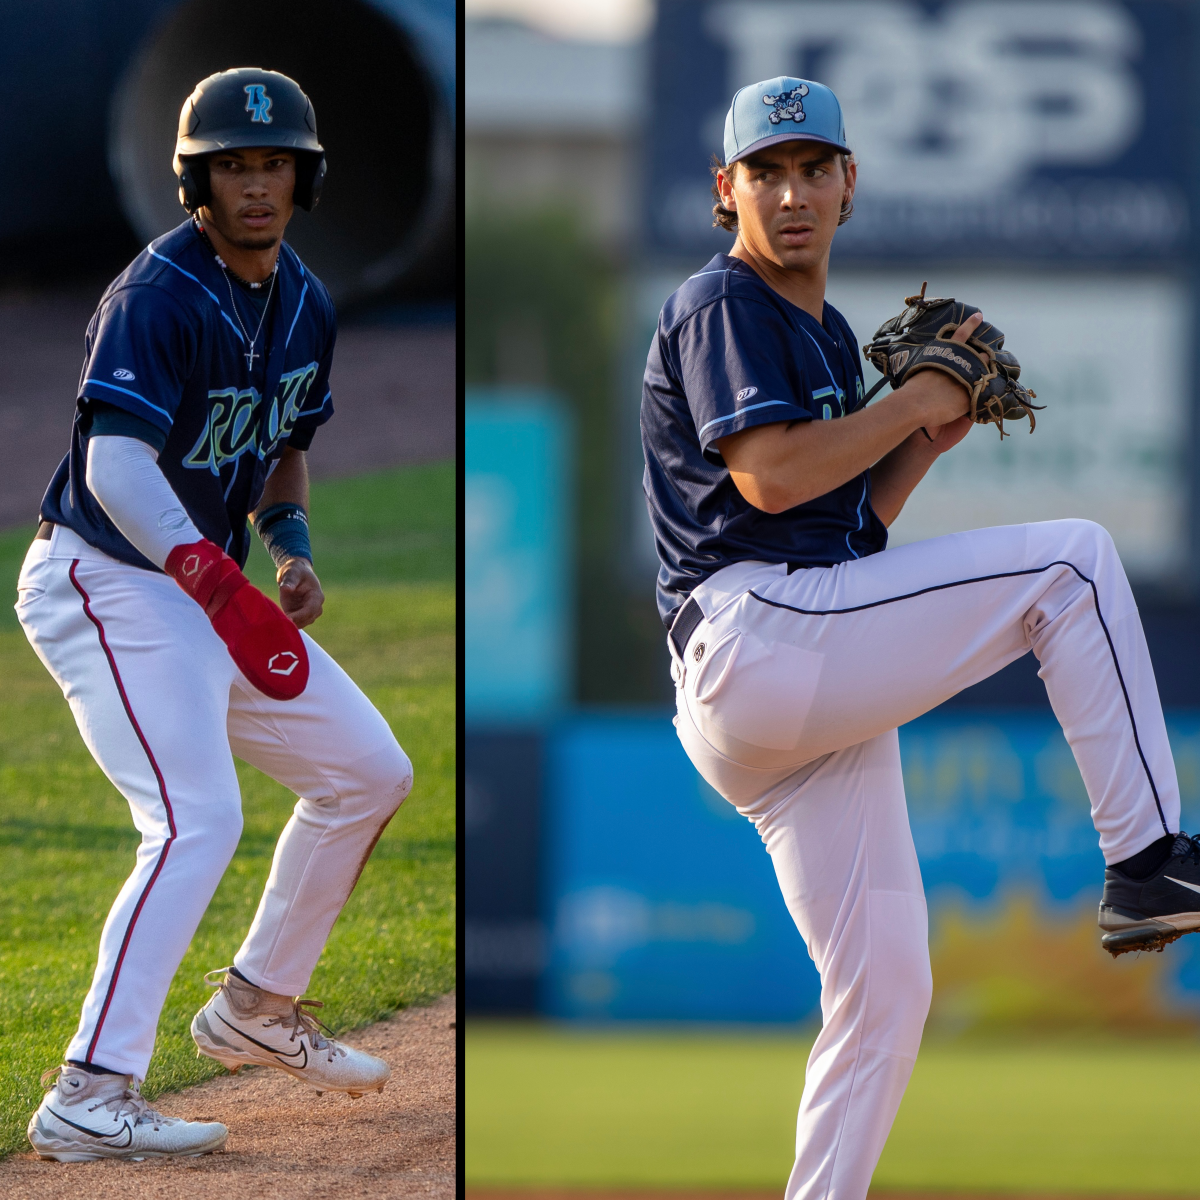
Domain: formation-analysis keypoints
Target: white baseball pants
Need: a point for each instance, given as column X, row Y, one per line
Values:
column 163, row 710
column 789, row 694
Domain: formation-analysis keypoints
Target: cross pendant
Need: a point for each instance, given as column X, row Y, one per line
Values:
column 250, row 359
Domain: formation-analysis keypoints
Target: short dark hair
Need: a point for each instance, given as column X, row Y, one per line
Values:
column 726, row 218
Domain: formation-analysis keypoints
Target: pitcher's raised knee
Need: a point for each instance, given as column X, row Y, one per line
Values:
column 1078, row 541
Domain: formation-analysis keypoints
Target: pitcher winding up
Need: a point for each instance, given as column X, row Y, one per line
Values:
column 799, row 641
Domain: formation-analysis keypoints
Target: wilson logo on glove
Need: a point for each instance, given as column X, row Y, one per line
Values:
column 945, row 352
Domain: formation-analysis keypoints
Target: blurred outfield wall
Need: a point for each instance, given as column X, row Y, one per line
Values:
column 660, row 901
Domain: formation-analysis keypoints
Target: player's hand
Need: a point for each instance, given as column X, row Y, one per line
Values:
column 946, row 402
column 300, row 594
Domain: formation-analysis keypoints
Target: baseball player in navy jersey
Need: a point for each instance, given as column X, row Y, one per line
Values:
column 799, row 641
column 205, row 378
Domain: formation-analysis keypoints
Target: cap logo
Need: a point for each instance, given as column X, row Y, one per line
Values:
column 259, row 103
column 787, row 106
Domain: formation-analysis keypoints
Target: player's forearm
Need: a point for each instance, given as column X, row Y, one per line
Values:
column 776, row 467
column 895, row 476
column 287, row 484
column 124, row 476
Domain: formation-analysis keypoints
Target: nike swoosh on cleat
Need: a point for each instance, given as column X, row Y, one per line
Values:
column 96, row 1133
column 269, row 1049
column 1191, row 886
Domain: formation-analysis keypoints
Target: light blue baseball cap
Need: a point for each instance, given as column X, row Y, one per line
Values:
column 782, row 110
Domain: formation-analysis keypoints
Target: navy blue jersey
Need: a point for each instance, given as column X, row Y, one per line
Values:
column 166, row 345
column 731, row 353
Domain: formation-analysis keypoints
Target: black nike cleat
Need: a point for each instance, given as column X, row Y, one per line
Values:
column 1147, row 914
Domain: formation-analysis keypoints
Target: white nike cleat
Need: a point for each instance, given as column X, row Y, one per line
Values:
column 244, row 1026
column 84, row 1117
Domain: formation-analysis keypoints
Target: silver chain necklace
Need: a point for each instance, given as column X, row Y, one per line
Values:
column 251, row 356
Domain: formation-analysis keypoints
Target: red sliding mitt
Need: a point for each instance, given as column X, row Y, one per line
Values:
column 266, row 646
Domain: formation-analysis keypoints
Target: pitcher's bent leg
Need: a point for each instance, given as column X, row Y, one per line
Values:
column 831, row 657
column 844, row 856
column 331, row 747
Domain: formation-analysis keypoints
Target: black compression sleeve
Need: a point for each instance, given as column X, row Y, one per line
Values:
column 108, row 420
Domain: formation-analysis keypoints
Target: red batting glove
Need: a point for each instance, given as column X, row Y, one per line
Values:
column 266, row 646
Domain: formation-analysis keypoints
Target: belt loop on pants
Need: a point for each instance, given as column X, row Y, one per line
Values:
column 684, row 625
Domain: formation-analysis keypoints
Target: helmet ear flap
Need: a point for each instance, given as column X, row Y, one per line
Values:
column 310, row 176
column 194, row 190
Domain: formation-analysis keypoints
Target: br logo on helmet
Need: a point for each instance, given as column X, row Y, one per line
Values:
column 283, row 663
column 258, row 102
column 788, row 106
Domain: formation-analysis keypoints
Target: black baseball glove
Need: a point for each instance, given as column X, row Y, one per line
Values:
column 919, row 339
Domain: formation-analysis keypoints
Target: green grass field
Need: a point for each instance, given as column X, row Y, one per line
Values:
column 384, row 546
column 550, row 1107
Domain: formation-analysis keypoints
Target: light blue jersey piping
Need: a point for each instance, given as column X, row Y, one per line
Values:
column 738, row 412
column 212, row 295
column 113, row 386
column 303, row 293
column 830, row 391
column 860, row 521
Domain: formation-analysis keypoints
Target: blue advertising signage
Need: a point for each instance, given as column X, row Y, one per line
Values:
column 1010, row 129
column 517, row 559
column 662, row 903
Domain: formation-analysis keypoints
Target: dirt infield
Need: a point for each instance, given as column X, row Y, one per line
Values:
column 393, row 393
column 286, row 1143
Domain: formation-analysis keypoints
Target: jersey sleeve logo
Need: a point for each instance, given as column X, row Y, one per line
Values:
column 258, row 103
column 122, row 373
column 745, row 394
column 787, row 106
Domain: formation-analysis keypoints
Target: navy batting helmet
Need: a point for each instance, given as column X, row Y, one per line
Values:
column 241, row 108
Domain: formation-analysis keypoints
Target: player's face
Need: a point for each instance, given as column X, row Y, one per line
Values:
column 788, row 199
column 251, row 195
